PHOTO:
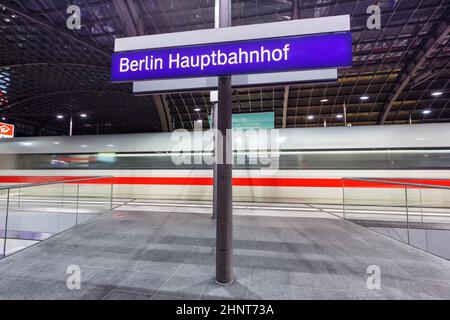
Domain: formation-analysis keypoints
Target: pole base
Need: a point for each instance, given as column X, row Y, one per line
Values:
column 224, row 284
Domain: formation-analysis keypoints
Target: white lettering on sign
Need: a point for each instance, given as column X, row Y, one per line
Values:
column 149, row 63
column 215, row 58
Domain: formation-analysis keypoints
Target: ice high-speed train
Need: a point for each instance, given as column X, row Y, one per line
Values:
column 311, row 165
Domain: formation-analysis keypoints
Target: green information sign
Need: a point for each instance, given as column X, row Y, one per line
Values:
column 260, row 120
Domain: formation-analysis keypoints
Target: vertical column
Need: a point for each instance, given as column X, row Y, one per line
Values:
column 71, row 126
column 223, row 169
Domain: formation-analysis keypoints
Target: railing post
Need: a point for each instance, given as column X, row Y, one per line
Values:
column 6, row 223
column 18, row 199
column 407, row 212
column 421, row 205
column 62, row 199
column 111, row 195
column 78, row 196
column 343, row 198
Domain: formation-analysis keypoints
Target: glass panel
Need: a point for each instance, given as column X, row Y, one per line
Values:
column 94, row 198
column 38, row 217
column 429, row 229
column 39, row 211
column 378, row 206
column 69, row 201
column 3, row 233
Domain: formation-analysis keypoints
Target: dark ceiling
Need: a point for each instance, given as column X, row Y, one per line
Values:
column 47, row 69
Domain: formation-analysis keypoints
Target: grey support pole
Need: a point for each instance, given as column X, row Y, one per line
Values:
column 71, row 126
column 223, row 169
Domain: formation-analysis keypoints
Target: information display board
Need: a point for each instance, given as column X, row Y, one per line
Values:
column 245, row 121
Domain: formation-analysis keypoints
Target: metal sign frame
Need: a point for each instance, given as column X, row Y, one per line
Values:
column 238, row 33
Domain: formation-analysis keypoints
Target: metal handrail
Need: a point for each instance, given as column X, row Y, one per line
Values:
column 434, row 186
column 29, row 185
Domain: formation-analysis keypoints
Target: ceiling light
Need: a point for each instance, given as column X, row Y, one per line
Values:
column 339, row 116
column 83, row 115
column 3, row 118
column 436, row 93
column 364, row 98
column 426, row 111
column 310, row 117
column 197, row 109
column 199, row 120
column 324, row 100
column 60, row 116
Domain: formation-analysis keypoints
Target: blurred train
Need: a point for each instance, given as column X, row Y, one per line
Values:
column 311, row 162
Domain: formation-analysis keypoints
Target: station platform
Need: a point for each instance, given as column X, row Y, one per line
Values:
column 166, row 250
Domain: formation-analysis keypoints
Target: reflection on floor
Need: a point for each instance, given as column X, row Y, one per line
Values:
column 168, row 253
column 14, row 245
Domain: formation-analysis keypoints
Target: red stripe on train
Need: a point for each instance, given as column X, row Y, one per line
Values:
column 244, row 182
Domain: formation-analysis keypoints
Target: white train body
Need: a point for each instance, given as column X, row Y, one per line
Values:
column 312, row 164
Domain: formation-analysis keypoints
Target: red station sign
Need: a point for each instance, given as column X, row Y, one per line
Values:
column 6, row 130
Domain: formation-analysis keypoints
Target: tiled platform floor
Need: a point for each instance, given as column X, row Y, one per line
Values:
column 163, row 255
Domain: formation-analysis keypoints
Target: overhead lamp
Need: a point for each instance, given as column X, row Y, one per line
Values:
column 426, row 111
column 436, row 93
column 83, row 115
column 310, row 117
column 324, row 100
column 197, row 109
column 60, row 116
column 3, row 118
column 364, row 98
column 339, row 116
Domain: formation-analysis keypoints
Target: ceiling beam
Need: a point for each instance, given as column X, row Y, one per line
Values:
column 44, row 24
column 295, row 15
column 162, row 106
column 437, row 38
column 129, row 15
column 58, row 93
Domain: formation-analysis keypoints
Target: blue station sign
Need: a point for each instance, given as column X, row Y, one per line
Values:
column 230, row 58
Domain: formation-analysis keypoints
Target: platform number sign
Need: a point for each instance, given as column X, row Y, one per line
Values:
column 6, row 130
